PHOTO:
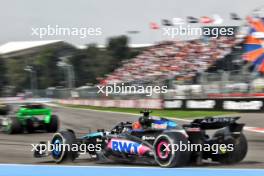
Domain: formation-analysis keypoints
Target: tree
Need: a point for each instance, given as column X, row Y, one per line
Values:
column 91, row 63
column 16, row 75
column 118, row 48
column 3, row 80
column 48, row 73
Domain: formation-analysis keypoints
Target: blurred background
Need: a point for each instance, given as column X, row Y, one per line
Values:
column 132, row 50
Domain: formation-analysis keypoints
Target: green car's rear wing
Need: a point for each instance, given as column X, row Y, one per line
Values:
column 30, row 112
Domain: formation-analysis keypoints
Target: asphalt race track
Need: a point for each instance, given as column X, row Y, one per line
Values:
column 17, row 148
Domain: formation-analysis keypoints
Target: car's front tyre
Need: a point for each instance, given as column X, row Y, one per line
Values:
column 62, row 143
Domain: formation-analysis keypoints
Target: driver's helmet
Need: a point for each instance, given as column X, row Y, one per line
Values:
column 136, row 125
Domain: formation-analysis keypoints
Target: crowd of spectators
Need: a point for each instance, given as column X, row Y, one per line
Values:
column 173, row 59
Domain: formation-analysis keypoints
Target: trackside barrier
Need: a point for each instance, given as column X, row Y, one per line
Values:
column 14, row 100
column 242, row 104
column 139, row 103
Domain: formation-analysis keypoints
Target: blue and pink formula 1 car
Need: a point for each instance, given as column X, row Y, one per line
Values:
column 153, row 139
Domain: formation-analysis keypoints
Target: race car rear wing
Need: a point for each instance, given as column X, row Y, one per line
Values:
column 216, row 123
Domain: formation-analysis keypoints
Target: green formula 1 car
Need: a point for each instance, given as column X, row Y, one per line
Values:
column 30, row 118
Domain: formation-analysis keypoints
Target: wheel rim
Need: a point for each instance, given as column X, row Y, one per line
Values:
column 57, row 144
column 161, row 150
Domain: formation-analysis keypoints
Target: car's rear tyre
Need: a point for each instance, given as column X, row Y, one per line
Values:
column 63, row 143
column 240, row 148
column 165, row 151
column 30, row 126
column 13, row 126
column 5, row 110
column 53, row 126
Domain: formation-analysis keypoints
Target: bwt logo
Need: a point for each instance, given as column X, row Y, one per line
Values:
column 125, row 146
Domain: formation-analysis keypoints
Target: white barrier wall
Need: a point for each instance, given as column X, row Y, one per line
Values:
column 205, row 104
column 140, row 103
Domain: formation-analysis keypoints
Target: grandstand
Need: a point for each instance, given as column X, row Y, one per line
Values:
column 202, row 68
column 180, row 60
column 223, row 59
